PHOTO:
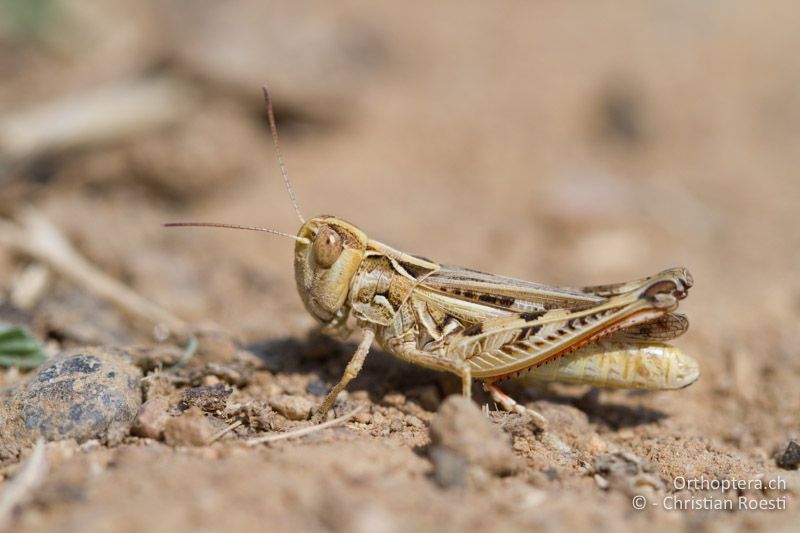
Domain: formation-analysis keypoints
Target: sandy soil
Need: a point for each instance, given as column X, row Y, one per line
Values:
column 566, row 143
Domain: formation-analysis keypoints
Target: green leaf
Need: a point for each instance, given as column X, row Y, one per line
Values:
column 9, row 332
column 20, row 348
column 27, row 17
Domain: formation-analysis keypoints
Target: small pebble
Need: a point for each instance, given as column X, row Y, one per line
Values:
column 191, row 428
column 151, row 420
column 215, row 344
column 292, row 407
column 617, row 465
column 226, row 374
column 210, row 380
column 396, row 425
column 624, row 471
column 395, row 399
column 522, row 445
column 596, row 445
column 413, row 421
column 317, row 387
column 363, row 418
column 625, row 434
column 359, row 396
column 790, row 458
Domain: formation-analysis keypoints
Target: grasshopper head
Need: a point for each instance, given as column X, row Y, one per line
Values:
column 325, row 260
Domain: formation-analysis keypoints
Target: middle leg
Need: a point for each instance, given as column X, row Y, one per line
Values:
column 439, row 362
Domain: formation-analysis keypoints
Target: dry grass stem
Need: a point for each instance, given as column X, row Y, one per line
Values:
column 305, row 431
column 221, row 433
column 99, row 115
column 20, row 489
column 38, row 238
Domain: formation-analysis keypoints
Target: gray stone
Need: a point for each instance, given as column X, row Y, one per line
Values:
column 790, row 458
column 82, row 394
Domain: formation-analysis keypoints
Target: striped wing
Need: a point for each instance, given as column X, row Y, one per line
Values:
column 509, row 325
column 504, row 293
column 665, row 328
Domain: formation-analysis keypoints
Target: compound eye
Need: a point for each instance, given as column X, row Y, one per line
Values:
column 327, row 247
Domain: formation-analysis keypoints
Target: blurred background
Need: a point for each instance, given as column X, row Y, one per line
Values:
column 568, row 143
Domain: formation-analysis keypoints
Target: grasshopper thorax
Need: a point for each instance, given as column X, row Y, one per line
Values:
column 326, row 257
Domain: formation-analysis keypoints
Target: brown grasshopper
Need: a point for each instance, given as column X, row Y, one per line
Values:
column 483, row 326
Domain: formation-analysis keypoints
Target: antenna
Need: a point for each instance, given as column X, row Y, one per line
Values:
column 285, row 174
column 237, row 226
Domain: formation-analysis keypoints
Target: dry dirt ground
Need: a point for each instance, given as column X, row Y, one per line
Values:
column 562, row 142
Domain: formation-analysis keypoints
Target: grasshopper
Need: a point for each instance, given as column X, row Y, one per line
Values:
column 478, row 325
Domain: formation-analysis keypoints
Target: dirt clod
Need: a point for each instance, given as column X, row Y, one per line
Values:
column 292, row 407
column 450, row 469
column 212, row 398
column 460, row 430
column 215, row 344
column 151, row 420
column 626, row 472
column 191, row 428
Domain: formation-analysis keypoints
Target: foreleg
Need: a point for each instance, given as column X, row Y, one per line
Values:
column 352, row 370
